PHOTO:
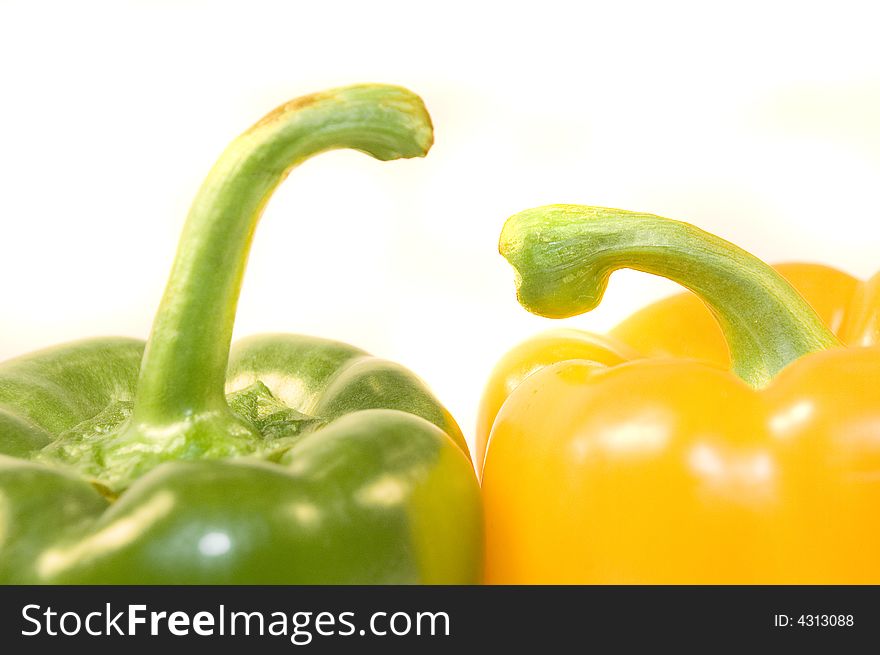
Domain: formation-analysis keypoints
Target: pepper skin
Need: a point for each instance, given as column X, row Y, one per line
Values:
column 288, row 459
column 664, row 458
column 682, row 326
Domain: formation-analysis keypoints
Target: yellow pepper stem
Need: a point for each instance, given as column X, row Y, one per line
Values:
column 563, row 256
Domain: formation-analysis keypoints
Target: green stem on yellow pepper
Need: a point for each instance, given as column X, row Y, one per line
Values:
column 564, row 254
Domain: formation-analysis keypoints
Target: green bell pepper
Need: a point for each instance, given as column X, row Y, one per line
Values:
column 288, row 459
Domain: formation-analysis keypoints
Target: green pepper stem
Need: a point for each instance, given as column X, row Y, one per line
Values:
column 564, row 254
column 183, row 372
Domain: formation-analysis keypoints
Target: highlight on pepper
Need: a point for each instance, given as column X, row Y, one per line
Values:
column 724, row 436
column 285, row 459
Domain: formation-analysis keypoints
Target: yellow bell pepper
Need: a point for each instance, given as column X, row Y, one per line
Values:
column 682, row 449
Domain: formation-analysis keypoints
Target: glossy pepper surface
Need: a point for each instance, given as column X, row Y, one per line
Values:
column 288, row 459
column 724, row 436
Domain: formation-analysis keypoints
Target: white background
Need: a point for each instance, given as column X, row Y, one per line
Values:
column 759, row 121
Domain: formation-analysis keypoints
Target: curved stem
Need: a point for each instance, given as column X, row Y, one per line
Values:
column 564, row 254
column 184, row 367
